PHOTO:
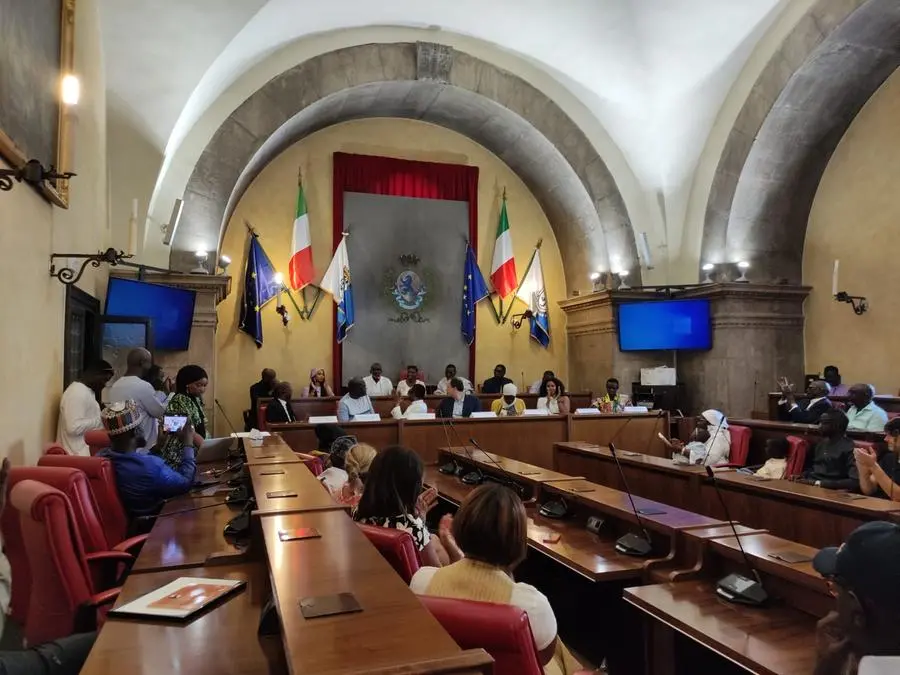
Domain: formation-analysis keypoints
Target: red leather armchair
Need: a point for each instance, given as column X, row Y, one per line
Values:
column 796, row 457
column 397, row 547
column 97, row 440
column 740, row 446
column 54, row 449
column 63, row 599
column 502, row 631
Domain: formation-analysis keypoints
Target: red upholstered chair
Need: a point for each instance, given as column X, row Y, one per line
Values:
column 740, row 446
column 63, row 598
column 397, row 547
column 54, row 449
column 796, row 457
column 97, row 440
column 314, row 465
column 102, row 479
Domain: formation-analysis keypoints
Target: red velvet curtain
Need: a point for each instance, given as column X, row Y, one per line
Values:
column 401, row 178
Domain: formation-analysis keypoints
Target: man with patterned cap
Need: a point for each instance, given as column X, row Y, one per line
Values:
column 144, row 481
column 865, row 577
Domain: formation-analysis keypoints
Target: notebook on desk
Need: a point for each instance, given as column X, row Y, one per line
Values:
column 179, row 599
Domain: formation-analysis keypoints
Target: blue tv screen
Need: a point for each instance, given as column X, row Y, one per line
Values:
column 664, row 325
column 171, row 310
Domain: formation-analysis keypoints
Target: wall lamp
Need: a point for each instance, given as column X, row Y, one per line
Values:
column 68, row 275
column 518, row 319
column 33, row 173
column 859, row 303
column 707, row 272
column 743, row 266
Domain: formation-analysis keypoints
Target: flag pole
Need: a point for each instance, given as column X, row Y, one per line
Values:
column 524, row 276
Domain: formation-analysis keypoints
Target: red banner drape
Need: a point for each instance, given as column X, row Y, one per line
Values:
column 401, row 178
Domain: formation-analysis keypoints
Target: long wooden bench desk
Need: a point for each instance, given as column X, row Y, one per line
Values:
column 777, row 639
column 529, row 439
column 307, row 493
column 271, row 450
column 803, row 513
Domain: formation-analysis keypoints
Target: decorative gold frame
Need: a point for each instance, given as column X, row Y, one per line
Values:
column 58, row 191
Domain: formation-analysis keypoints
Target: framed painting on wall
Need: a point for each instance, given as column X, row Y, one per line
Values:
column 37, row 50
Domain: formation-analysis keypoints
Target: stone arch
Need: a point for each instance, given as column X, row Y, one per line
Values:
column 434, row 83
column 793, row 119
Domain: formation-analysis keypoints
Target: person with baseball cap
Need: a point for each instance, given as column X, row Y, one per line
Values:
column 144, row 481
column 864, row 573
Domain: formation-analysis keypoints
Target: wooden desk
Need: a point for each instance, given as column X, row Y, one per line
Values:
column 522, row 473
column 638, row 432
column 302, row 437
column 187, row 539
column 311, row 494
column 221, row 640
column 271, row 450
column 394, row 628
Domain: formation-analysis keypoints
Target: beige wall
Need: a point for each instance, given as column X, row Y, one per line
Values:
column 269, row 205
column 33, row 304
column 856, row 218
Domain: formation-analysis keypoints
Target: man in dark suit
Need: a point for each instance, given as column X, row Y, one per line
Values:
column 279, row 410
column 809, row 411
column 458, row 403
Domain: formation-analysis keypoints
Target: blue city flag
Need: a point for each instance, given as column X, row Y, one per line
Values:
column 534, row 294
column 474, row 290
column 259, row 287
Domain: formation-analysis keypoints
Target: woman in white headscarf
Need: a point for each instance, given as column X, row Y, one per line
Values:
column 710, row 442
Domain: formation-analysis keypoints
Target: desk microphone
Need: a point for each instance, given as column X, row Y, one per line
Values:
column 451, row 468
column 227, row 421
column 736, row 587
column 176, row 513
column 631, row 543
column 507, row 478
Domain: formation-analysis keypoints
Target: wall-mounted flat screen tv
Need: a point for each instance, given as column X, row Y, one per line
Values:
column 664, row 325
column 170, row 309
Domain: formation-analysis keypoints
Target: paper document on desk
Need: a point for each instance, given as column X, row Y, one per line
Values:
column 180, row 598
column 250, row 434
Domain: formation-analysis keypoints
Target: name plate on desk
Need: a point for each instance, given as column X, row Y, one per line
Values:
column 483, row 414
column 368, row 417
column 535, row 412
column 635, row 409
column 587, row 411
column 323, row 419
column 421, row 416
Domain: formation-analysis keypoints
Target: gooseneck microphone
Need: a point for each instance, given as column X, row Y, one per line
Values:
column 736, row 587
column 234, row 433
column 451, row 468
column 179, row 512
column 631, row 543
column 507, row 478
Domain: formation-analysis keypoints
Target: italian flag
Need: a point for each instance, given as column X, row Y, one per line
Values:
column 300, row 267
column 503, row 266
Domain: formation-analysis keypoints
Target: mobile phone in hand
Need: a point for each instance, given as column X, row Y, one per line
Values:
column 174, row 423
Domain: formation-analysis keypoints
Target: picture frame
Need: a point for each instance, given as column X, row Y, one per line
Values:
column 15, row 151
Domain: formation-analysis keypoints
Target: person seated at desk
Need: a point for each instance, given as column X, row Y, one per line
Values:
column 357, row 465
column 279, row 410
column 539, row 386
column 776, row 464
column 334, row 477
column 393, row 498
column 375, row 384
column 417, row 405
column 612, row 401
column 495, row 384
column 864, row 414
column 863, row 577
column 832, row 376
column 554, row 397
column 833, row 465
column 190, row 385
column 458, row 403
column 265, row 388
column 144, row 481
column 449, row 374
column 809, row 411
column 412, row 379
column 879, row 474
column 317, row 387
column 510, row 405
column 355, row 401
column 326, row 434
column 79, row 410
column 64, row 656
column 710, row 441
column 489, row 537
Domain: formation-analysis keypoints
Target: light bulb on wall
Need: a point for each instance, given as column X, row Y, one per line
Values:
column 224, row 262
column 707, row 271
column 743, row 266
column 595, row 276
column 623, row 283
column 71, row 90
column 278, row 278
column 202, row 257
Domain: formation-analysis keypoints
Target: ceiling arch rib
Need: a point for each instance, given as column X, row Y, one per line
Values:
column 496, row 109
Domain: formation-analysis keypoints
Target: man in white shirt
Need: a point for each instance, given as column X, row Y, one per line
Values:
column 133, row 387
column 412, row 379
column 417, row 405
column 376, row 385
column 864, row 415
column 535, row 387
column 449, row 373
column 79, row 410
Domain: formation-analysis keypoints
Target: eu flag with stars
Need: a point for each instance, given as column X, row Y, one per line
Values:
column 474, row 290
column 259, row 287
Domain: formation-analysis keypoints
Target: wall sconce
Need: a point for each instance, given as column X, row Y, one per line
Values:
column 518, row 319
column 623, row 281
column 743, row 266
column 859, row 304
column 595, row 281
column 202, row 257
column 280, row 309
column 68, row 275
column 33, row 173
column 224, row 262
column 707, row 272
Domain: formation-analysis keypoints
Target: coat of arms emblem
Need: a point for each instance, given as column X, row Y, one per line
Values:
column 410, row 289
